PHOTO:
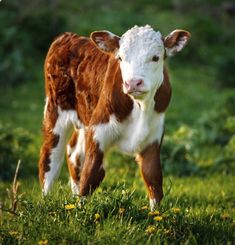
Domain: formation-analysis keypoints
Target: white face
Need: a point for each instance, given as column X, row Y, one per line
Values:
column 141, row 56
column 141, row 52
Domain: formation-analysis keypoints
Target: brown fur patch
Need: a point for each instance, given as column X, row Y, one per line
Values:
column 150, row 167
column 112, row 99
column 73, row 139
column 92, row 172
column 163, row 95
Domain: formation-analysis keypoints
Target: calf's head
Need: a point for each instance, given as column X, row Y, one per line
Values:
column 141, row 52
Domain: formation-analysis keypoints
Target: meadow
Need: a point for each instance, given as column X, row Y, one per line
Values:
column 198, row 153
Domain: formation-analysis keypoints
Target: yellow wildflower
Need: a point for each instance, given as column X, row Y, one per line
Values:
column 225, row 216
column 97, row 217
column 150, row 229
column 158, row 218
column 43, row 242
column 144, row 208
column 69, row 206
column 13, row 233
column 121, row 210
column 176, row 210
column 153, row 213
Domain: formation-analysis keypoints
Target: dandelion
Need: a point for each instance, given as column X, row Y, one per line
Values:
column 69, row 206
column 153, row 213
column 121, row 210
column 158, row 218
column 43, row 242
column 144, row 208
column 150, row 229
column 13, row 233
column 97, row 217
column 225, row 216
column 176, row 210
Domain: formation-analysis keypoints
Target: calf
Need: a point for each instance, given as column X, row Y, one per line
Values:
column 112, row 92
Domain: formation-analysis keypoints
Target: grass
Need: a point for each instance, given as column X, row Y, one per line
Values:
column 197, row 213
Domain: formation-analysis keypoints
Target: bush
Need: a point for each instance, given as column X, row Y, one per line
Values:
column 230, row 148
column 225, row 74
column 25, row 35
column 14, row 145
column 208, row 147
column 180, row 151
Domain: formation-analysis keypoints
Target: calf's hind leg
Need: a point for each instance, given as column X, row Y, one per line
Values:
column 55, row 128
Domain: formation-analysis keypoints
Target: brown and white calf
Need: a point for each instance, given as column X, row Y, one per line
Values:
column 112, row 92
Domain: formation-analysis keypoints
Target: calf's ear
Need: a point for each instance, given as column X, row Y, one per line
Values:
column 176, row 41
column 105, row 40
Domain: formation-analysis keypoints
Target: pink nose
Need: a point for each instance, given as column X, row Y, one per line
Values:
column 133, row 85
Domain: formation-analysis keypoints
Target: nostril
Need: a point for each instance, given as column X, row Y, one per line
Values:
column 139, row 82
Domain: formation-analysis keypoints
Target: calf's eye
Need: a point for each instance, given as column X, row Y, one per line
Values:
column 155, row 58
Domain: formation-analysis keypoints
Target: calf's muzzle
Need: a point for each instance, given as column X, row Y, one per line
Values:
column 133, row 85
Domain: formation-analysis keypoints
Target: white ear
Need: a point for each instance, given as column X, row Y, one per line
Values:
column 105, row 40
column 176, row 41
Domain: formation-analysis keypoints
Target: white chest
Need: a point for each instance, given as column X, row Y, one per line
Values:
column 140, row 130
column 131, row 136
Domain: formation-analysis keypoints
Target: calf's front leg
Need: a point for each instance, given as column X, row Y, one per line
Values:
column 92, row 172
column 150, row 167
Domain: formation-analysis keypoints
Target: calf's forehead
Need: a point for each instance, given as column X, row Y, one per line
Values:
column 141, row 41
